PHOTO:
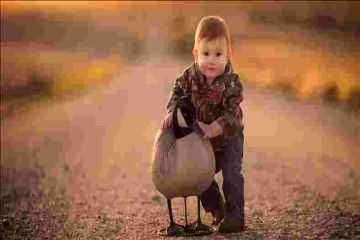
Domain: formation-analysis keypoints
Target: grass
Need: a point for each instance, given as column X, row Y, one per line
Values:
column 306, row 71
column 28, row 76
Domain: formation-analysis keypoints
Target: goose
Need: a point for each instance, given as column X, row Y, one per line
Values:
column 183, row 165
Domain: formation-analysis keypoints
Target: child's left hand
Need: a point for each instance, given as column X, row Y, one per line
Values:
column 211, row 130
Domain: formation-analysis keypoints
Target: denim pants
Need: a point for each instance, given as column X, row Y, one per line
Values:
column 229, row 161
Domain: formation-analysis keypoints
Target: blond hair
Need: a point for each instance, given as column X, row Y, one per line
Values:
column 210, row 28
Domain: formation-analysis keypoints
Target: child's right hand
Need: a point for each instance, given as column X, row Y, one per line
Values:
column 211, row 130
column 167, row 122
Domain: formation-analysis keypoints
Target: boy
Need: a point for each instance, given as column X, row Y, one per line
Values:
column 216, row 93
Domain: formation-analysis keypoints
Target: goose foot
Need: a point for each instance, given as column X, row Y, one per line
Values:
column 198, row 228
column 173, row 230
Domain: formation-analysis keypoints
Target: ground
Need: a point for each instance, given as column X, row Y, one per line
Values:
column 79, row 168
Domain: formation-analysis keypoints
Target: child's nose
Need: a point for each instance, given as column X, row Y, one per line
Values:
column 212, row 59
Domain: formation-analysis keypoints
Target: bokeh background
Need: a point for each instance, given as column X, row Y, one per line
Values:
column 84, row 86
column 309, row 50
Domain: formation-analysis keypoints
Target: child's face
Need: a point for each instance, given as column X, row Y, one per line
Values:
column 212, row 57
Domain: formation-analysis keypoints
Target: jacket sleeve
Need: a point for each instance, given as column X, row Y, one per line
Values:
column 178, row 90
column 231, row 120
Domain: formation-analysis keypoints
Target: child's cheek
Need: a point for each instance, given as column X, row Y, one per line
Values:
column 224, row 60
column 202, row 67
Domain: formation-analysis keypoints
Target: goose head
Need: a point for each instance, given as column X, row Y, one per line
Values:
column 184, row 117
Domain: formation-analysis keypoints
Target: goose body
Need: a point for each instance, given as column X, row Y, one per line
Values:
column 182, row 167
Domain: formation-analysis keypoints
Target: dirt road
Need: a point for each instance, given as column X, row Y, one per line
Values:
column 80, row 169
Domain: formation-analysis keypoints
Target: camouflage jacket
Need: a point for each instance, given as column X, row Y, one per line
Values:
column 218, row 101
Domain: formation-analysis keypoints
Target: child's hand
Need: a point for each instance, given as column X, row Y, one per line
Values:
column 167, row 122
column 211, row 130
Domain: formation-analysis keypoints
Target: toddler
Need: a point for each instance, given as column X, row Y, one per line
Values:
column 216, row 92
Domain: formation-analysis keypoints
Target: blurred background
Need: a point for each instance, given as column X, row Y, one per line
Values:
column 84, row 86
column 308, row 50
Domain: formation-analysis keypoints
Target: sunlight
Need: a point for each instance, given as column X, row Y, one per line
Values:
column 62, row 6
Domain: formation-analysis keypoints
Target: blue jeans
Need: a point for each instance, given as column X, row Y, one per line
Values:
column 229, row 161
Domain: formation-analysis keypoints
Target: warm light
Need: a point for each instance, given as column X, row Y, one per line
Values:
column 61, row 6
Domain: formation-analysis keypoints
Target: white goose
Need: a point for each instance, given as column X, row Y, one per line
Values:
column 183, row 164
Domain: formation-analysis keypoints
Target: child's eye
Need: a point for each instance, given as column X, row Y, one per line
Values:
column 206, row 53
column 218, row 54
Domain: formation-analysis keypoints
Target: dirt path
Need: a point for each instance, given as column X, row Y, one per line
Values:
column 80, row 169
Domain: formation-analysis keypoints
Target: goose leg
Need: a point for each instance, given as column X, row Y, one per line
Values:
column 198, row 210
column 186, row 222
column 170, row 212
column 174, row 229
column 199, row 226
column 189, row 228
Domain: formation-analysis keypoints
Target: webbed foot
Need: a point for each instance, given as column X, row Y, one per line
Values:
column 174, row 230
column 198, row 228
